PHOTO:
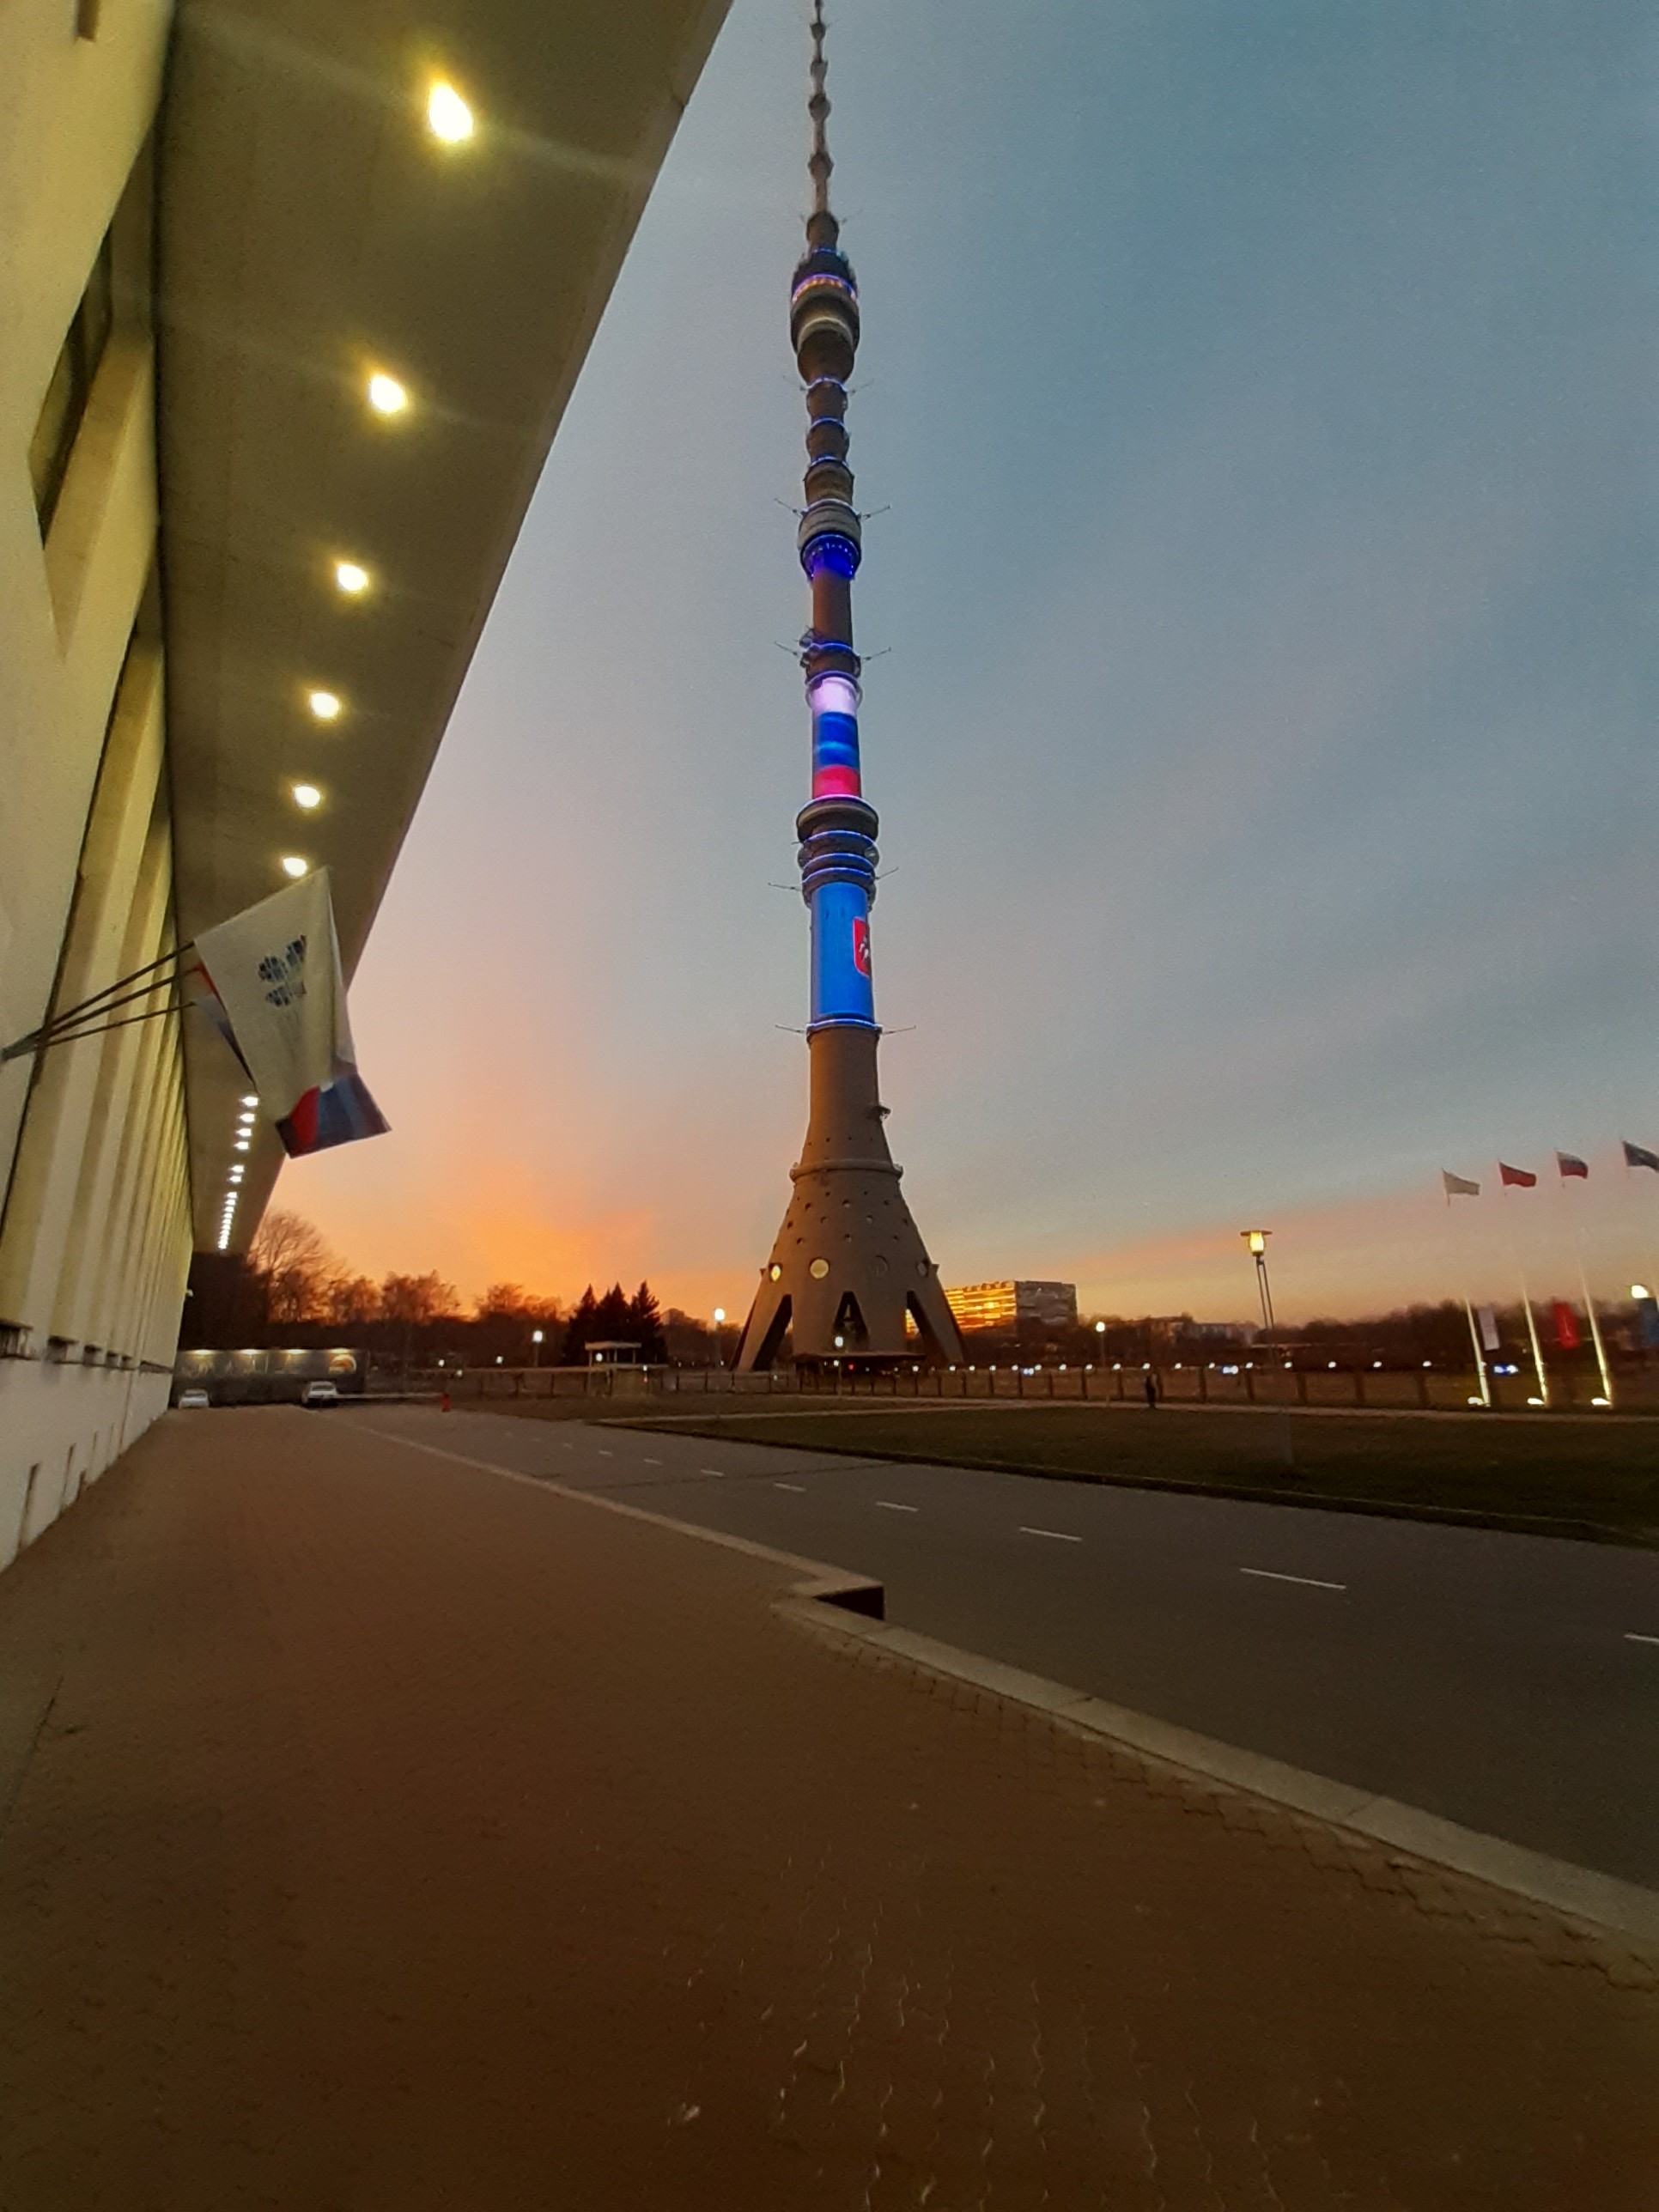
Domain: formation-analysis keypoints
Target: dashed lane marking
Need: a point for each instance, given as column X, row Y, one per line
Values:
column 800, row 1488
column 1307, row 1582
column 711, row 1470
column 1633, row 1636
column 892, row 1505
column 1054, row 1535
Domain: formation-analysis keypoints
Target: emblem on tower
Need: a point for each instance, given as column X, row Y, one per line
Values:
column 849, row 1278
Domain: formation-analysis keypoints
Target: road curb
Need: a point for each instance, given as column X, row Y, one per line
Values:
column 835, row 1600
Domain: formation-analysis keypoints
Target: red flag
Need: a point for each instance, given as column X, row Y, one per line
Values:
column 1517, row 1176
column 1566, row 1326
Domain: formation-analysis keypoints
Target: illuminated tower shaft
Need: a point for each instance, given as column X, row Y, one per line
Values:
column 849, row 1268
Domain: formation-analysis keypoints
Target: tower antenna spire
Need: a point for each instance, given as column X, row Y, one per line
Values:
column 820, row 165
column 849, row 1277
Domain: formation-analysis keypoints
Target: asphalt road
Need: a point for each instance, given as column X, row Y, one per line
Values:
column 1510, row 1683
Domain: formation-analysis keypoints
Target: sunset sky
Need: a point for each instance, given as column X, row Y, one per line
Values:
column 1262, row 736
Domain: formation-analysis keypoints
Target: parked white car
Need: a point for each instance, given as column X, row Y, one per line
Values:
column 190, row 1401
column 320, row 1393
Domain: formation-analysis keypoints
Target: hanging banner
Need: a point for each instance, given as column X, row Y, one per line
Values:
column 1488, row 1319
column 279, row 997
column 1566, row 1326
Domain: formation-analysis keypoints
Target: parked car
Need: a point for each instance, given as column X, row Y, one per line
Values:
column 320, row 1393
column 191, row 1400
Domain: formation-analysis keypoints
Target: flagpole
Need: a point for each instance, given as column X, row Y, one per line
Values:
column 1595, row 1336
column 1532, row 1331
column 1580, row 1172
column 64, row 1028
column 1479, row 1355
column 1527, row 1182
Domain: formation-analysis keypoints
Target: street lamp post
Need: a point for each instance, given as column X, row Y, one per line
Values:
column 536, row 1347
column 1257, row 1241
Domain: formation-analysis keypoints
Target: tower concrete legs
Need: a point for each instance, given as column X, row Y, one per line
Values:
column 848, row 1268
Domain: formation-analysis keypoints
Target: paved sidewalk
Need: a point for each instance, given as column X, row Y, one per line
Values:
column 399, row 1837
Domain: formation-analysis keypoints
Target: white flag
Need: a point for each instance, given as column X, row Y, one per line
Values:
column 275, row 971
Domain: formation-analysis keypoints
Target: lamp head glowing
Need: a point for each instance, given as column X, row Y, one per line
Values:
column 1256, row 1238
column 447, row 115
column 294, row 867
column 351, row 577
column 385, row 395
column 1640, row 1290
column 325, row 705
column 719, row 1315
column 307, row 795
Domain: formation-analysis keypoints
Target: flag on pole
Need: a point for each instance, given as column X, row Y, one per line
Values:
column 275, row 974
column 1457, row 1186
column 1568, row 1164
column 1517, row 1176
column 1638, row 1156
column 1488, row 1319
column 1566, row 1326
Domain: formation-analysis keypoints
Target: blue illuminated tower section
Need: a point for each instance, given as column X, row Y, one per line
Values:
column 848, row 1277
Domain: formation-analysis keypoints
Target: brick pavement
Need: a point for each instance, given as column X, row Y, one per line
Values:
column 400, row 1836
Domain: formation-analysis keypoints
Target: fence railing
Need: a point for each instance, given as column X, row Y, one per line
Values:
column 1372, row 1389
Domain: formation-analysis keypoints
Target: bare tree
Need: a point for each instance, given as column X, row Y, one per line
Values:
column 418, row 1299
column 295, row 1266
column 352, row 1300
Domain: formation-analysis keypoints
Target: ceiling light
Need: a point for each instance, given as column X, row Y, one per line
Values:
column 325, row 705
column 241, row 1145
column 448, row 116
column 350, row 576
column 294, row 865
column 250, row 1101
column 307, row 795
column 385, row 395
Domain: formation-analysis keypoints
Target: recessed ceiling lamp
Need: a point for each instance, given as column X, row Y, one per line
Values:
column 351, row 576
column 242, row 1144
column 325, row 705
column 307, row 795
column 447, row 115
column 385, row 395
column 294, row 865
column 249, row 1100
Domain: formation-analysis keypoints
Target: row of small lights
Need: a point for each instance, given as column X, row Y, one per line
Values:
column 449, row 118
column 240, row 1142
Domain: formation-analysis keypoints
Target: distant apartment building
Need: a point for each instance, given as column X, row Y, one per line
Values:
column 1177, row 1328
column 1035, row 1306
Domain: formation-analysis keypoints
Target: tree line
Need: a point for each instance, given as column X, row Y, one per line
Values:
column 293, row 1289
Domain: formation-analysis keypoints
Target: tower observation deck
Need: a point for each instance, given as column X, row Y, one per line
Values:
column 848, row 1277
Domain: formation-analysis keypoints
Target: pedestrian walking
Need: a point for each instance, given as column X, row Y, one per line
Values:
column 1149, row 1384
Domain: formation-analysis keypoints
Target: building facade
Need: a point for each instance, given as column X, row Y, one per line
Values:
column 266, row 437
column 1036, row 1308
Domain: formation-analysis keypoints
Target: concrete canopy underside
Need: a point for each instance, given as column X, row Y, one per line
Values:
column 312, row 230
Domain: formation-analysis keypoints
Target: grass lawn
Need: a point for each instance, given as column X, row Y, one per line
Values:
column 1576, row 1477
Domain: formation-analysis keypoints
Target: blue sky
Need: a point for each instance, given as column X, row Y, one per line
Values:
column 1262, row 728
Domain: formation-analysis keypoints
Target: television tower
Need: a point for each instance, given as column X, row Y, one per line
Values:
column 848, row 1267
